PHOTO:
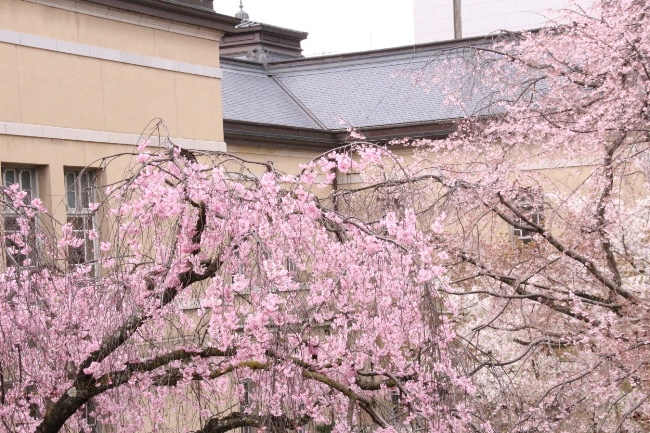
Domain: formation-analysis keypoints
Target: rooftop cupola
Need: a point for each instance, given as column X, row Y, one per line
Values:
column 241, row 14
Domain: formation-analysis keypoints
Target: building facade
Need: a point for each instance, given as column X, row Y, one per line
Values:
column 81, row 80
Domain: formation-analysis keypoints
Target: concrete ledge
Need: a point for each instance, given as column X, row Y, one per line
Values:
column 92, row 136
column 82, row 50
column 125, row 16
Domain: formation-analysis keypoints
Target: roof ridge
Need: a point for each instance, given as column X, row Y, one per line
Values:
column 350, row 67
column 404, row 50
column 295, row 99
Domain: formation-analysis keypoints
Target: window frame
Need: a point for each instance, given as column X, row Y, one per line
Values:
column 245, row 402
column 90, row 416
column 529, row 202
column 80, row 210
column 8, row 213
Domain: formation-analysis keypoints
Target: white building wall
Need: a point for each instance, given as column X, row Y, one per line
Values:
column 433, row 19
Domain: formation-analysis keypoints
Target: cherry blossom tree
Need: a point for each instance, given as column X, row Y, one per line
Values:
column 223, row 294
column 494, row 281
column 544, row 188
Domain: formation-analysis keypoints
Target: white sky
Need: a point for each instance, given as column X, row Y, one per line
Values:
column 334, row 26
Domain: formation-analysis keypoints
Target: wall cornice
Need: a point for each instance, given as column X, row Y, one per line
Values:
column 92, row 136
column 94, row 52
column 161, row 15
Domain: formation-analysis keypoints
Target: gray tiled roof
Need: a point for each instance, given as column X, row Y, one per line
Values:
column 367, row 94
column 359, row 91
column 255, row 97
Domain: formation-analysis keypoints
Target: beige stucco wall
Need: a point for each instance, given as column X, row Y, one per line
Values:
column 58, row 89
column 50, row 157
column 285, row 159
column 35, row 19
column 44, row 87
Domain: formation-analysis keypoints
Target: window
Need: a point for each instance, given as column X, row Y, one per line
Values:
column 292, row 269
column 17, row 248
column 395, row 398
column 245, row 403
column 529, row 203
column 245, row 400
column 79, row 195
column 89, row 413
column 526, row 236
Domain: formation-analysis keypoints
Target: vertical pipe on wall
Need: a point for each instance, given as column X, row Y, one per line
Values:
column 458, row 24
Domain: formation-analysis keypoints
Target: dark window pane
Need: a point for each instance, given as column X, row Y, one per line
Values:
column 85, row 190
column 81, row 226
column 10, row 177
column 26, row 184
column 15, row 241
column 11, row 224
column 70, row 187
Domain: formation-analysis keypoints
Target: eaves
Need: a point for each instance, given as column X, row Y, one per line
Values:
column 263, row 135
column 175, row 11
column 238, row 132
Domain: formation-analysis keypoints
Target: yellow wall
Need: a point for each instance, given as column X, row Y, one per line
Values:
column 35, row 19
column 287, row 159
column 47, row 87
column 50, row 157
column 58, row 89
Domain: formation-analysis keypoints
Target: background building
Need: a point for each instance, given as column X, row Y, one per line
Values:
column 289, row 111
column 434, row 19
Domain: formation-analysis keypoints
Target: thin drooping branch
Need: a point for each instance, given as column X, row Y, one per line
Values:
column 519, row 289
column 81, row 389
column 569, row 252
column 530, row 346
